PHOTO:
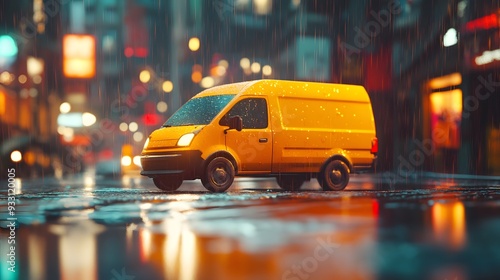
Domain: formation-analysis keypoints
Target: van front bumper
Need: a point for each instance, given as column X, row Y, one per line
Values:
column 188, row 164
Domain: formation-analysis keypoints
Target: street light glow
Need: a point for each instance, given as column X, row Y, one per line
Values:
column 262, row 7
column 220, row 71
column 196, row 77
column 144, row 76
column 267, row 70
column 255, row 67
column 197, row 74
column 167, row 86
column 162, row 106
column 450, row 38
column 22, row 79
column 34, row 66
column 194, row 44
column 88, row 119
column 223, row 63
column 37, row 79
column 65, row 131
column 6, row 78
column 245, row 63
column 138, row 136
column 16, row 156
column 133, row 127
column 217, row 71
column 207, row 82
column 123, row 127
column 487, row 57
column 65, row 108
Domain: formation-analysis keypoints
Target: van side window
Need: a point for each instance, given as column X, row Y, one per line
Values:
column 253, row 111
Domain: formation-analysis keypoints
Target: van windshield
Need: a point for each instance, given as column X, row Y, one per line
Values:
column 199, row 111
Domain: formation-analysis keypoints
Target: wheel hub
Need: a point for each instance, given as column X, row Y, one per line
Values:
column 336, row 176
column 220, row 175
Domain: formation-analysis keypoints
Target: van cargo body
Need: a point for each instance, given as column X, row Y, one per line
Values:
column 292, row 130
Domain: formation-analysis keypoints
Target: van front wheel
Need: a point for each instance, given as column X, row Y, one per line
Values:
column 167, row 183
column 219, row 175
column 335, row 176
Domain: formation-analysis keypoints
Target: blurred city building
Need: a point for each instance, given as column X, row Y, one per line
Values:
column 29, row 92
column 445, row 87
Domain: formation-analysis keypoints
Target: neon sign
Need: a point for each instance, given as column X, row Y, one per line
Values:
column 484, row 23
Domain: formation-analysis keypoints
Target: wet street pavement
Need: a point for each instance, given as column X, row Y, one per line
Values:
column 96, row 228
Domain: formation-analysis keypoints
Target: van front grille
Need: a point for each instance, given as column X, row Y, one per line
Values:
column 155, row 144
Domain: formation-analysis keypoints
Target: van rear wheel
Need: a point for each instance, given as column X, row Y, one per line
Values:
column 290, row 182
column 335, row 176
column 219, row 175
column 168, row 183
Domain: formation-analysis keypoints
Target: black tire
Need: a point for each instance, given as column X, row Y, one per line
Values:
column 334, row 176
column 290, row 182
column 167, row 183
column 218, row 175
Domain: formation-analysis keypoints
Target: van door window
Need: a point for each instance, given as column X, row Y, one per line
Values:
column 253, row 111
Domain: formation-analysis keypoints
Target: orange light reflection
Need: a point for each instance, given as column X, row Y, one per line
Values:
column 448, row 224
column 189, row 254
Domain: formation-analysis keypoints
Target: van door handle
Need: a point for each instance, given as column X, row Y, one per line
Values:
column 263, row 140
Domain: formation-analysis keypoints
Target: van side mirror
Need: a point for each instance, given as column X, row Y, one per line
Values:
column 236, row 122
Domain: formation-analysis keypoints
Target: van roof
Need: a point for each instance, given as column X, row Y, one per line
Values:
column 301, row 89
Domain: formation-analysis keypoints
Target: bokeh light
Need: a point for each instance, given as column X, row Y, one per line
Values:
column 162, row 106
column 138, row 136
column 255, row 67
column 145, row 76
column 65, row 108
column 167, row 86
column 267, row 70
column 207, row 82
column 245, row 63
column 16, row 156
column 194, row 44
column 133, row 127
column 123, row 127
column 88, row 119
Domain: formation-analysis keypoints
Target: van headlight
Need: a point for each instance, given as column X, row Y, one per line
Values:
column 185, row 140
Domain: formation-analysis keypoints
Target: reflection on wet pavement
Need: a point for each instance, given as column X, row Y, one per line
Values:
column 256, row 231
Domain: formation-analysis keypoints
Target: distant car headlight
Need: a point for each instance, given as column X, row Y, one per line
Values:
column 146, row 144
column 185, row 140
column 126, row 160
column 137, row 161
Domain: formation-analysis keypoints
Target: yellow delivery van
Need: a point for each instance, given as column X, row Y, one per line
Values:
column 291, row 130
